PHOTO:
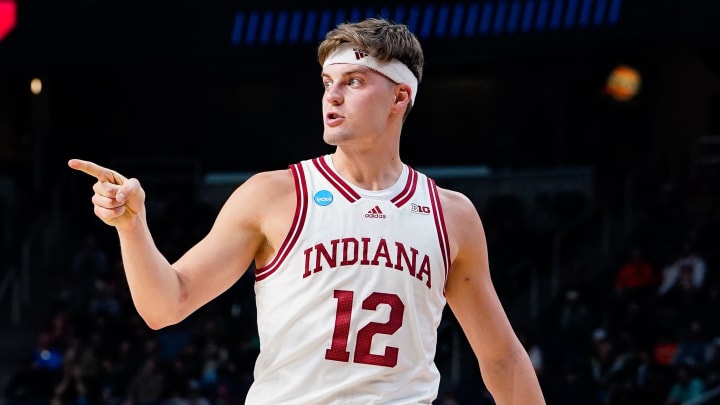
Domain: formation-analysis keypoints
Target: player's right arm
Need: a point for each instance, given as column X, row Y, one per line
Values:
column 165, row 293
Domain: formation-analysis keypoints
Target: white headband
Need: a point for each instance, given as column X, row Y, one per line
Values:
column 393, row 70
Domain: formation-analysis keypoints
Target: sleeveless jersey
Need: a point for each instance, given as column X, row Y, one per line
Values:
column 349, row 307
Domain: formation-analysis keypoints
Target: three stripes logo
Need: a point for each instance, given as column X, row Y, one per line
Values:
column 360, row 53
column 376, row 212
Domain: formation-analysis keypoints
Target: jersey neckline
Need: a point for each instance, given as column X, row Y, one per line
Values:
column 384, row 194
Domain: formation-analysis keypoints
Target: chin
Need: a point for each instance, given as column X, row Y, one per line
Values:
column 333, row 139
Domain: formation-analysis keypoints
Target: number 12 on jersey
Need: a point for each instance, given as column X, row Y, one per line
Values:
column 339, row 350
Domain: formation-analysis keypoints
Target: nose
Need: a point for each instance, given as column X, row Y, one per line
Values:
column 333, row 95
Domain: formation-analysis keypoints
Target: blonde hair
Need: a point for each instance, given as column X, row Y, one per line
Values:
column 382, row 38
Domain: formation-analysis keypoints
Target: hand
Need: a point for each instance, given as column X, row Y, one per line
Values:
column 117, row 200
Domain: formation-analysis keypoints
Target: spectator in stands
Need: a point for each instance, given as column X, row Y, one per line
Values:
column 636, row 276
column 575, row 323
column 72, row 388
column 606, row 363
column 693, row 345
column 685, row 274
column 665, row 348
column 686, row 387
column 711, row 368
column 147, row 385
column 625, row 390
column 80, row 367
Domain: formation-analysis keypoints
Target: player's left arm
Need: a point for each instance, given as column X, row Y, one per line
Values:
column 504, row 363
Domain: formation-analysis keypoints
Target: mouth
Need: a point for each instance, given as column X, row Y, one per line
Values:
column 333, row 119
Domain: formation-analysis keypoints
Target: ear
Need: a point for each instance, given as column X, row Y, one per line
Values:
column 402, row 96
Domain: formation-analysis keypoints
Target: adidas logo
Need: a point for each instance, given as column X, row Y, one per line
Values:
column 376, row 212
column 360, row 53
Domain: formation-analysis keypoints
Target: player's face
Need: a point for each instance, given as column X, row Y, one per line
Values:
column 356, row 104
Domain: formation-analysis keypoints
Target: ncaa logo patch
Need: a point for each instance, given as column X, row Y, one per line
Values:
column 323, row 198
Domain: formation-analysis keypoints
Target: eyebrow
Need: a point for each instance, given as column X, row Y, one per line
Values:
column 358, row 70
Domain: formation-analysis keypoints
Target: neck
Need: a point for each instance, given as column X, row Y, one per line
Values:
column 369, row 171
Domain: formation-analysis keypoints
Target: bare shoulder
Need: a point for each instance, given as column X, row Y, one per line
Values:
column 262, row 188
column 458, row 209
column 462, row 220
column 264, row 204
column 260, row 195
column 456, row 203
column 271, row 183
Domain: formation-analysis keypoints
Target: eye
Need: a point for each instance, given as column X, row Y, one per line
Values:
column 327, row 84
column 354, row 82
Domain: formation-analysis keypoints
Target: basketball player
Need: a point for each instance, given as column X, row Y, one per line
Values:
column 356, row 253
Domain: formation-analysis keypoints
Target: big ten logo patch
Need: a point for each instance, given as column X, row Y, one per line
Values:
column 420, row 209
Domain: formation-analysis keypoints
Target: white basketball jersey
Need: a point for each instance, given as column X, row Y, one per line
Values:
column 348, row 310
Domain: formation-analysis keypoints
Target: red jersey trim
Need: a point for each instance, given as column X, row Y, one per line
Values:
column 349, row 192
column 301, row 195
column 342, row 187
column 440, row 225
column 408, row 191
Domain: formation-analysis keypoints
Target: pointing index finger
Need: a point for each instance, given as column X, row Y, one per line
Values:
column 97, row 171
